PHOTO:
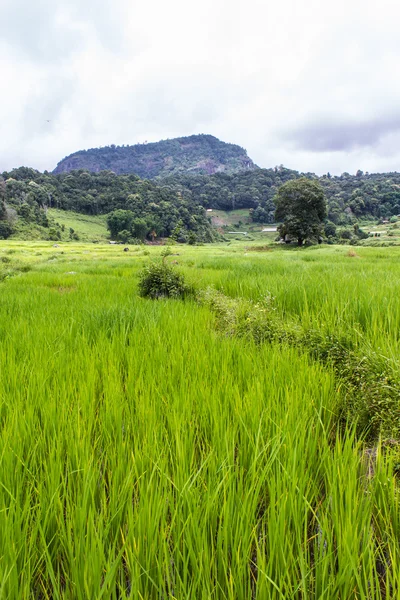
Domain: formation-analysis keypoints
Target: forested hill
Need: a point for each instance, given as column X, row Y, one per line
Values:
column 194, row 154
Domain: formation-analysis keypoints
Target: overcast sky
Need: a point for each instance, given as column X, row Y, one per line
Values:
column 312, row 85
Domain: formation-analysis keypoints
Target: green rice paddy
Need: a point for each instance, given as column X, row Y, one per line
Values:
column 146, row 454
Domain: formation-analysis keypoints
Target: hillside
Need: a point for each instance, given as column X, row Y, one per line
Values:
column 196, row 154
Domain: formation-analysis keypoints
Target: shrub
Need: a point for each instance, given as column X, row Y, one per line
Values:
column 54, row 234
column 346, row 234
column 192, row 238
column 161, row 280
column 124, row 236
column 330, row 229
column 5, row 230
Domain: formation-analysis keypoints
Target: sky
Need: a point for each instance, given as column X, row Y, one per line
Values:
column 311, row 85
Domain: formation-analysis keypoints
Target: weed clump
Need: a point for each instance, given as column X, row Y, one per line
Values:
column 371, row 382
column 161, row 280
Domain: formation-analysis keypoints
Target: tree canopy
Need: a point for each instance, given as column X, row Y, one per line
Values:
column 301, row 205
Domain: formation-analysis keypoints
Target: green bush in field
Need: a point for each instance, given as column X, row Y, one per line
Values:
column 161, row 280
column 54, row 234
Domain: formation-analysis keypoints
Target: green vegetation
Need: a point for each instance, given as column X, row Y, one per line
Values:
column 195, row 153
column 218, row 448
column 29, row 194
column 77, row 226
column 161, row 280
column 301, row 205
column 176, row 199
column 350, row 198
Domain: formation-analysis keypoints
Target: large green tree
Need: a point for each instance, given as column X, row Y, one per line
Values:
column 119, row 220
column 301, row 206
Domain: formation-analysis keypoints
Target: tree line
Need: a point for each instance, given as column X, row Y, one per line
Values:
column 348, row 196
column 175, row 206
column 156, row 209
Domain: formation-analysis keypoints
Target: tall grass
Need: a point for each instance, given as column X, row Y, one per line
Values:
column 143, row 455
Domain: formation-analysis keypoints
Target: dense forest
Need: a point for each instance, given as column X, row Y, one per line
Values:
column 348, row 196
column 194, row 154
column 153, row 209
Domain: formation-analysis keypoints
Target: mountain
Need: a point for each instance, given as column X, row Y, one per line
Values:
column 196, row 154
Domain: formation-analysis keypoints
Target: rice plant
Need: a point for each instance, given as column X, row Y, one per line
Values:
column 145, row 454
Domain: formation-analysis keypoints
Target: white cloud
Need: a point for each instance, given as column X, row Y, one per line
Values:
column 254, row 73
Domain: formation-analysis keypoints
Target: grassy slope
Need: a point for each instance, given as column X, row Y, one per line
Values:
column 88, row 227
column 145, row 456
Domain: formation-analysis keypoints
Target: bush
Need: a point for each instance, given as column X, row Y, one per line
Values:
column 5, row 230
column 346, row 234
column 161, row 280
column 124, row 236
column 330, row 229
column 54, row 234
column 192, row 238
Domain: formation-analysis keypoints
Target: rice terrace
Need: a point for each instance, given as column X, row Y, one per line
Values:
column 240, row 442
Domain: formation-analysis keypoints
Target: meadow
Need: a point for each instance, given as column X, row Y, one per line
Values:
column 149, row 452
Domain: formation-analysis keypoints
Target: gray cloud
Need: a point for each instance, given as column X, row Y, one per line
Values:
column 330, row 134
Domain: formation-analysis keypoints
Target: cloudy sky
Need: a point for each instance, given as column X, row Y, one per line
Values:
column 311, row 85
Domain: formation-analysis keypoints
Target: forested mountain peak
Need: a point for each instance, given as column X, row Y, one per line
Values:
column 196, row 154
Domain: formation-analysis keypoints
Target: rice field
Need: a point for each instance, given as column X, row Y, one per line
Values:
column 145, row 454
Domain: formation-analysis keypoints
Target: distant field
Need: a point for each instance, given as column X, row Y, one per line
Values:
column 153, row 450
column 383, row 234
column 239, row 220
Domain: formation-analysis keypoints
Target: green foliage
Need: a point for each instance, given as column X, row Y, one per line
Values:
column 124, row 236
column 192, row 238
column 301, row 205
column 376, row 194
column 119, row 220
column 6, row 230
column 372, row 383
column 346, row 234
column 54, row 234
column 184, row 196
column 3, row 211
column 161, row 280
column 161, row 207
column 140, row 229
column 330, row 229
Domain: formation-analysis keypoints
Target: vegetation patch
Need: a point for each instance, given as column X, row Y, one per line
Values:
column 162, row 280
column 260, row 248
column 370, row 382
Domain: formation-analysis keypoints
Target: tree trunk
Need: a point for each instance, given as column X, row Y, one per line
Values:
column 299, row 241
